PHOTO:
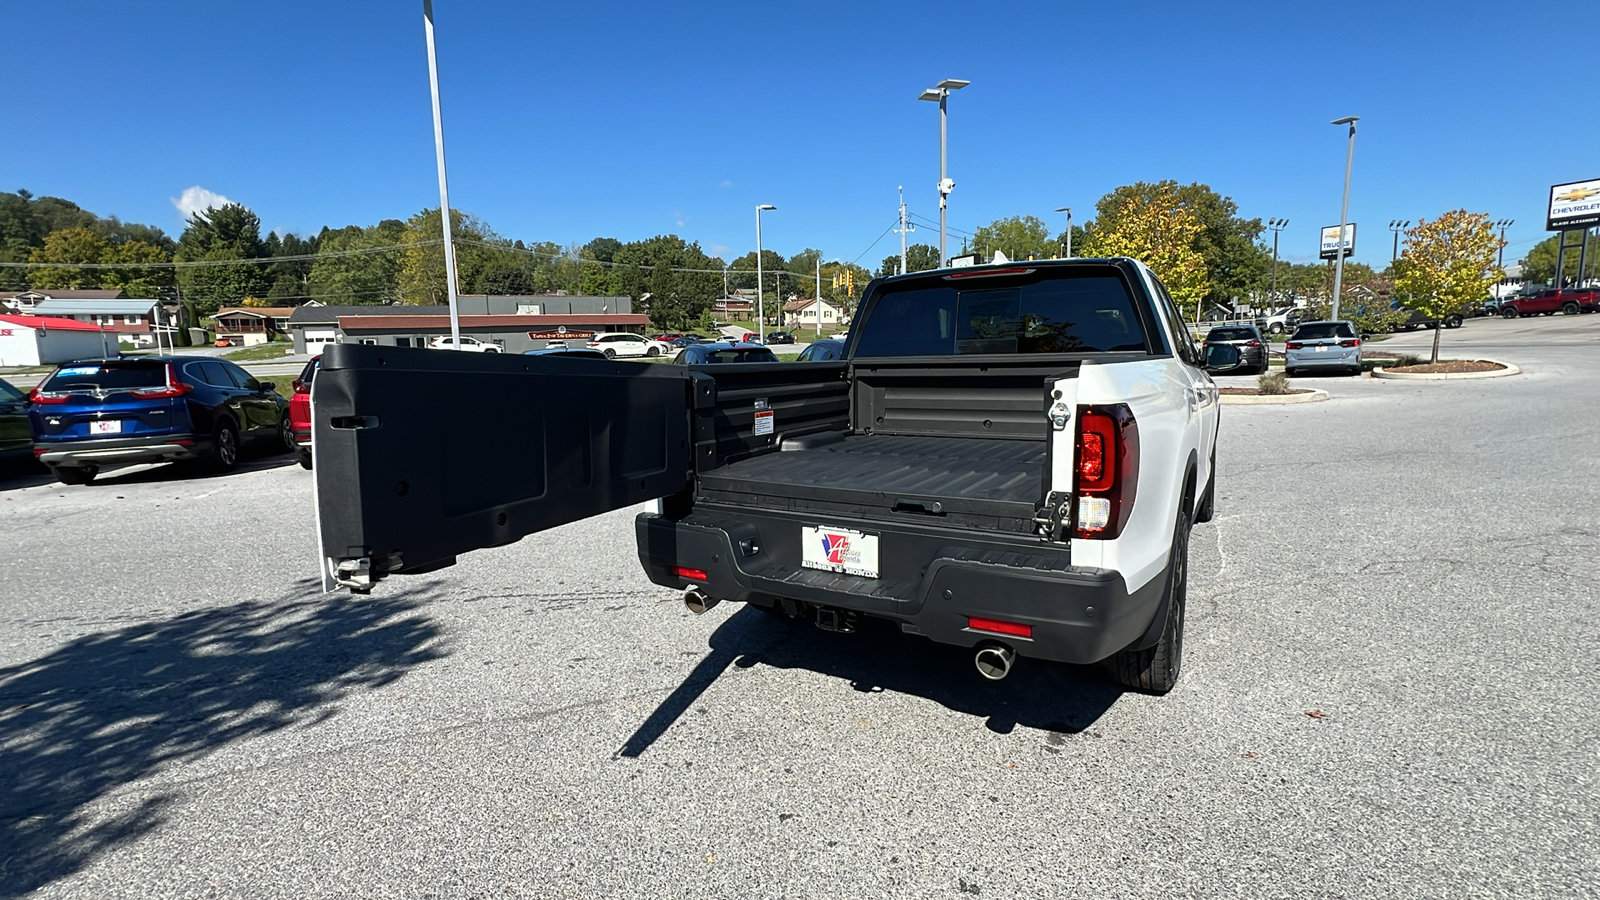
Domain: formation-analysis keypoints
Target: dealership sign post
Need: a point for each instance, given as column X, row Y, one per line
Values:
column 1331, row 242
column 1574, row 206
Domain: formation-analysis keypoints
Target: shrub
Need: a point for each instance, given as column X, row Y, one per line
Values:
column 1273, row 383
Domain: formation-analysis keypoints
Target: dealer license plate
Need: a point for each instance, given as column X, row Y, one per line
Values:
column 1323, row 349
column 839, row 550
column 106, row 426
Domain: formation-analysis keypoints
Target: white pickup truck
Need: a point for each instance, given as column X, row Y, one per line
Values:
column 1009, row 458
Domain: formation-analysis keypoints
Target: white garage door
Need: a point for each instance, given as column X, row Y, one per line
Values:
column 316, row 339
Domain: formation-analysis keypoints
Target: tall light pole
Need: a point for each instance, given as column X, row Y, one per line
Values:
column 818, row 303
column 761, row 304
column 1277, row 226
column 1500, row 263
column 1344, row 210
column 941, row 93
column 1068, row 211
column 444, row 186
column 1397, row 226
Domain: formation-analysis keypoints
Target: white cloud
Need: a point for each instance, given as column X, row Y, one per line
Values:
column 198, row 199
column 720, row 249
column 726, row 184
column 680, row 218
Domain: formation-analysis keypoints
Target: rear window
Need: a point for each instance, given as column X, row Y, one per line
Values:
column 1323, row 330
column 759, row 354
column 1232, row 334
column 310, row 371
column 1054, row 312
column 107, row 376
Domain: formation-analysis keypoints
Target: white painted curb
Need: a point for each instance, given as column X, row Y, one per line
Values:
column 1509, row 369
column 1312, row 396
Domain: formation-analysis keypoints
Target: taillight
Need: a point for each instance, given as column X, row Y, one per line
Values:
column 38, row 396
column 1293, row 345
column 300, row 387
column 173, row 388
column 1107, row 472
column 1252, row 343
column 1350, row 343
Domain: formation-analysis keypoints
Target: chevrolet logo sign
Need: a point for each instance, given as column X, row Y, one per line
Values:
column 1577, row 194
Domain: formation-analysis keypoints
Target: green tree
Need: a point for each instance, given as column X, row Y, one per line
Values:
column 340, row 276
column 422, row 276
column 742, row 275
column 134, row 275
column 670, row 279
column 919, row 258
column 1447, row 266
column 1237, row 264
column 224, row 236
column 1539, row 266
column 1158, row 229
column 69, row 246
column 1018, row 237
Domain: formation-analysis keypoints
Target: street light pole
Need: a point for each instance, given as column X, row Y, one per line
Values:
column 1344, row 210
column 761, row 304
column 941, row 93
column 1500, row 262
column 444, row 186
column 818, row 303
column 1277, row 226
column 1397, row 226
column 1068, row 211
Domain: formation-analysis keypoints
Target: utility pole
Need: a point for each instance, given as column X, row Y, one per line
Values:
column 903, row 229
column 444, row 186
column 1500, row 261
column 1344, row 210
column 1277, row 226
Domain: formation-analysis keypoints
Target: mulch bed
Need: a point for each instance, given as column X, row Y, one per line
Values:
column 1253, row 392
column 1448, row 367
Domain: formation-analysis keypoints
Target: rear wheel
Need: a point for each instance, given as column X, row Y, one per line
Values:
column 286, row 435
column 1155, row 670
column 74, row 474
column 610, row 353
column 224, row 448
column 1569, row 309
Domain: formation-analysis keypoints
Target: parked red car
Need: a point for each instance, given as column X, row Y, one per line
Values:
column 300, row 411
column 1551, row 302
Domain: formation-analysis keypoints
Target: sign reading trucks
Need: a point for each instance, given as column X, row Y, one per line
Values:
column 1574, row 205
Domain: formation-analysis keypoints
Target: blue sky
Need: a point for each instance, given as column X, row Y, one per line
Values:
column 568, row 121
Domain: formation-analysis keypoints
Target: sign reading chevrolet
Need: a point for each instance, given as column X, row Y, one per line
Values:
column 1574, row 205
column 1331, row 242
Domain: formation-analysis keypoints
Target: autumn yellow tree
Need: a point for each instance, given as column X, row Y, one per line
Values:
column 1447, row 266
column 1159, row 230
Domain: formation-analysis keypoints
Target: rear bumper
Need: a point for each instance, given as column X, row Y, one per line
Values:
column 1077, row 614
column 1301, row 359
column 157, row 448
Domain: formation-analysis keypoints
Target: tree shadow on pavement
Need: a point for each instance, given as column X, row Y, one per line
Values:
column 110, row 708
column 877, row 657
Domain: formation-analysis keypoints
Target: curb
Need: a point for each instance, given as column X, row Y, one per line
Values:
column 1316, row 395
column 1509, row 369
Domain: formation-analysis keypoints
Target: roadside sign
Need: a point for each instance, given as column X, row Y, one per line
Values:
column 1331, row 242
column 1573, row 205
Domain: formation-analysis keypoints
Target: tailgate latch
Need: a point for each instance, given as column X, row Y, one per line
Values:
column 1060, row 415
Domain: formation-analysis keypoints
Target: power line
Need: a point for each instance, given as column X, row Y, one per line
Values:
column 237, row 261
column 875, row 243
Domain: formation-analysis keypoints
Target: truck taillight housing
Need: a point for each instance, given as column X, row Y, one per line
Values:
column 1107, row 471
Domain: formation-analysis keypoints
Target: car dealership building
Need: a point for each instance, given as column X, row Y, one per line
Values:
column 514, row 322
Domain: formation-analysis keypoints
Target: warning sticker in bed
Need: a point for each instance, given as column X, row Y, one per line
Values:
column 839, row 550
column 764, row 421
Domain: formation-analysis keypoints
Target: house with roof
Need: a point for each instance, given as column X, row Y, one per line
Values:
column 135, row 321
column 514, row 322
column 24, row 301
column 803, row 312
column 249, row 325
column 45, row 341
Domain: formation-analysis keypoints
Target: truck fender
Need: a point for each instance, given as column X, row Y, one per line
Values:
column 1159, row 622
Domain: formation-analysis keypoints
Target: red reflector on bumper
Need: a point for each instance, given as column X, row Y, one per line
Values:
column 999, row 627
column 688, row 573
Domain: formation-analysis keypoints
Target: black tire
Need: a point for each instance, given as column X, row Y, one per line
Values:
column 1208, row 500
column 224, row 448
column 305, row 459
column 286, row 439
column 74, row 474
column 652, row 352
column 1156, row 669
column 1453, row 321
column 1509, row 312
column 1290, row 373
column 1569, row 309
column 610, row 353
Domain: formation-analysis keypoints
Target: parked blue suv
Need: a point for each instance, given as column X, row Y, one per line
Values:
column 152, row 409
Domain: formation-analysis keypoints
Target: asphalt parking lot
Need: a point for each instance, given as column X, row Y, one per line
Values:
column 1389, row 691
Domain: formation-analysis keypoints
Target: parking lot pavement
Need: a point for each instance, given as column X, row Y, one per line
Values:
column 1389, row 684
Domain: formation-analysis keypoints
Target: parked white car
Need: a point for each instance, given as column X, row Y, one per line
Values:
column 468, row 345
column 619, row 343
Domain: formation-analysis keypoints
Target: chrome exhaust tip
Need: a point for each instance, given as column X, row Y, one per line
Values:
column 994, row 662
column 697, row 601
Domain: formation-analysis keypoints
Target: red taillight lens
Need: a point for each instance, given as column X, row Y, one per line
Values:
column 1252, row 343
column 38, row 396
column 1351, row 343
column 1293, row 345
column 1107, row 470
column 300, row 387
column 689, row 574
column 999, row 627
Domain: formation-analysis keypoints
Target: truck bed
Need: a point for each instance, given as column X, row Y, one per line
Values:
column 987, row 483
